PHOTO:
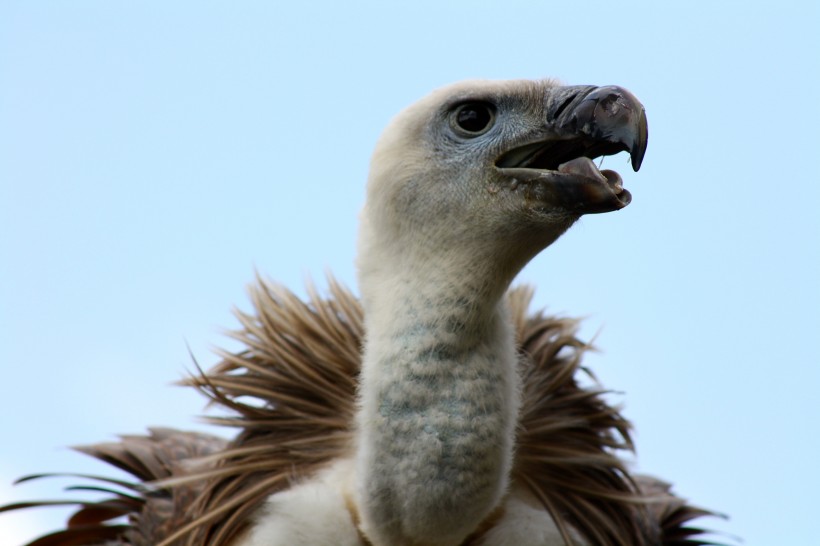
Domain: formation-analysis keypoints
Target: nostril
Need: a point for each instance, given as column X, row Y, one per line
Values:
column 561, row 100
column 563, row 106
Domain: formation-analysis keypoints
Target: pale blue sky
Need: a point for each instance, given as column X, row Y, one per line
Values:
column 153, row 154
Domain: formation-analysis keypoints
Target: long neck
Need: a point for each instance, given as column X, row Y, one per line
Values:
column 438, row 405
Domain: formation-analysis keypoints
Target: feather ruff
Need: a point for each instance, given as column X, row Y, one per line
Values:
column 291, row 392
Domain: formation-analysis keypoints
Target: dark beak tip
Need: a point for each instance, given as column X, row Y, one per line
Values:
column 641, row 140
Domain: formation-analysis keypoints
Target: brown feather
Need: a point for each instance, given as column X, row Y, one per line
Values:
column 84, row 536
column 151, row 513
column 292, row 393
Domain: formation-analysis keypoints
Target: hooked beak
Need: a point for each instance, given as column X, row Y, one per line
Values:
column 585, row 122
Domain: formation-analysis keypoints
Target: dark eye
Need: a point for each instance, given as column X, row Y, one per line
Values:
column 473, row 118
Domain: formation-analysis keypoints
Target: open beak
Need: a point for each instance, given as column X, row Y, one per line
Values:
column 585, row 123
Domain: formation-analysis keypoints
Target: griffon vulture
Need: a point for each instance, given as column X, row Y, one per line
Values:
column 434, row 410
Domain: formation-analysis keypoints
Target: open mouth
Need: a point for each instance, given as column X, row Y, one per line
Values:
column 560, row 172
column 550, row 155
column 543, row 169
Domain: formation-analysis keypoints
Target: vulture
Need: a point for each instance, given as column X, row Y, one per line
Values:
column 434, row 409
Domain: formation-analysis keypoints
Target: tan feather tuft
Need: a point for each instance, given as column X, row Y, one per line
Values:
column 292, row 394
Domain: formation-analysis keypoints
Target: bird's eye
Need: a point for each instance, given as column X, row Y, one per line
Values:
column 473, row 118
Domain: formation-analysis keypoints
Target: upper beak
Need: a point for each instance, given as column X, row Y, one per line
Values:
column 611, row 116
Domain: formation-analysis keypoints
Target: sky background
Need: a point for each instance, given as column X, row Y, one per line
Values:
column 153, row 155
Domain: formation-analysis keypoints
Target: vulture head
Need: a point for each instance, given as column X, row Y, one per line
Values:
column 485, row 174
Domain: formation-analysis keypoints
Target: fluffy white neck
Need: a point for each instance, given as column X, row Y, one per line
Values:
column 439, row 401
